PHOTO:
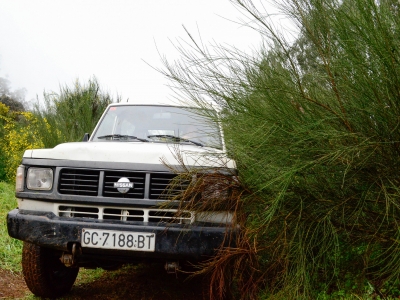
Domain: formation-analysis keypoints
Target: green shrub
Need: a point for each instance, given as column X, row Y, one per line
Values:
column 314, row 128
column 66, row 116
column 21, row 132
column 18, row 131
column 10, row 249
column 4, row 110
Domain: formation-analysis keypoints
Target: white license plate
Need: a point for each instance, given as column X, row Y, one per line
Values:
column 122, row 240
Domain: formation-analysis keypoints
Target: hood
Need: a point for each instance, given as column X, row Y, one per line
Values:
column 136, row 152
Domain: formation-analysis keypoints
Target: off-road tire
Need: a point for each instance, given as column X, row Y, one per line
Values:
column 44, row 273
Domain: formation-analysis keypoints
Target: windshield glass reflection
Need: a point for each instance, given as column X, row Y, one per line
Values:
column 165, row 124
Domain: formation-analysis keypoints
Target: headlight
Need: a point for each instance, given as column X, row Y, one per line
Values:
column 19, row 180
column 39, row 179
column 215, row 187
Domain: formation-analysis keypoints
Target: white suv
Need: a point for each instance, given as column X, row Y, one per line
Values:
column 110, row 200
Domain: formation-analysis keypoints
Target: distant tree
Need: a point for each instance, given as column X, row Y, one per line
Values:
column 10, row 103
column 15, row 100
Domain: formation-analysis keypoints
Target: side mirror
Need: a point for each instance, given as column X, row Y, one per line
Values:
column 86, row 137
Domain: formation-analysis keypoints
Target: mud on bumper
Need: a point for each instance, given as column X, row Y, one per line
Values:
column 173, row 241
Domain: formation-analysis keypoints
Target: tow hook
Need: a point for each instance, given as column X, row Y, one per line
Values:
column 70, row 260
column 172, row 267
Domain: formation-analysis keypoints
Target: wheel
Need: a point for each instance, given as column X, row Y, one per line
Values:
column 44, row 273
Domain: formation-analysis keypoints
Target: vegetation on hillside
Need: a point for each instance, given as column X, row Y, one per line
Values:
column 10, row 101
column 65, row 117
column 313, row 125
column 10, row 249
column 13, row 99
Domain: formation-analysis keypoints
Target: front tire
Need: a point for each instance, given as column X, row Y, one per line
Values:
column 44, row 273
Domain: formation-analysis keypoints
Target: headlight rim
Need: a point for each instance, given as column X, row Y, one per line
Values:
column 38, row 188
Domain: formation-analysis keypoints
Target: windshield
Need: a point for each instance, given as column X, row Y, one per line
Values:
column 163, row 124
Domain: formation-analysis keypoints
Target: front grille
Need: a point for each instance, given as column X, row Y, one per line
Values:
column 88, row 182
column 126, row 214
column 78, row 182
column 138, row 179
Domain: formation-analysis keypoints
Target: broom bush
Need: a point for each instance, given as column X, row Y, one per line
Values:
column 313, row 124
column 72, row 112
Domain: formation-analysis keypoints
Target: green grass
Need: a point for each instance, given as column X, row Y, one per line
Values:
column 10, row 249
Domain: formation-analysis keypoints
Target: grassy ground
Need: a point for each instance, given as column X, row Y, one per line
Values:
column 140, row 282
column 10, row 249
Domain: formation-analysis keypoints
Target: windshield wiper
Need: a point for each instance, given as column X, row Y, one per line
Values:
column 175, row 138
column 121, row 136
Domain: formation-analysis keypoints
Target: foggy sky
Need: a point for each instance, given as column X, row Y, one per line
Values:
column 45, row 44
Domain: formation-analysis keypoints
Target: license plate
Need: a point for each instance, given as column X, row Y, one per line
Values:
column 122, row 240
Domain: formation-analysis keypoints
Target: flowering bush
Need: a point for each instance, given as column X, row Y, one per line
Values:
column 4, row 110
column 65, row 117
column 20, row 132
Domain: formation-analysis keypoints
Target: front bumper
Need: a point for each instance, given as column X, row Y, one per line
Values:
column 173, row 241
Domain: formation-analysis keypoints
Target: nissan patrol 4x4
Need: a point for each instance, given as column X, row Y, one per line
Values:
column 109, row 200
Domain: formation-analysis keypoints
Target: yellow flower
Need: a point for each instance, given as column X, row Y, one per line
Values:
column 4, row 109
column 18, row 138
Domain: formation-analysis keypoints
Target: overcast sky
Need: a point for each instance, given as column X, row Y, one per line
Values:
column 45, row 44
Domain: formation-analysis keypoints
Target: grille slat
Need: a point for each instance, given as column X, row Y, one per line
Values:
column 82, row 180
column 117, row 193
column 80, row 185
column 82, row 175
column 118, row 177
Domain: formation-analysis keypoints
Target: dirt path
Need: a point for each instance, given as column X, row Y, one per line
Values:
column 12, row 285
column 149, row 282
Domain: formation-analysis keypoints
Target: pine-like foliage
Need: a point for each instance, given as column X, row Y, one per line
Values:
column 72, row 112
column 314, row 127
